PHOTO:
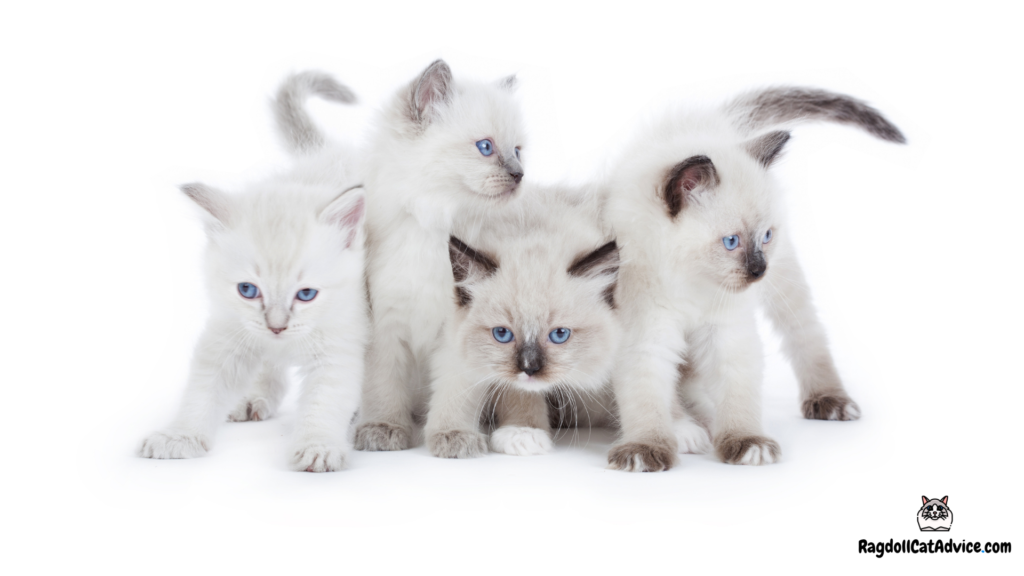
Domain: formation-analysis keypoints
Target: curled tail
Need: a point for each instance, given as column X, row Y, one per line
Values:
column 764, row 109
column 294, row 123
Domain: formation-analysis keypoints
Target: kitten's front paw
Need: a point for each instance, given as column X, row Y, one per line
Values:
column 831, row 406
column 749, row 450
column 642, row 456
column 457, row 444
column 381, row 437
column 165, row 445
column 521, row 441
column 254, row 409
column 319, row 457
column 692, row 437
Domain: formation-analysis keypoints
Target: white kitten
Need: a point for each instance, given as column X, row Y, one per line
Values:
column 284, row 269
column 699, row 220
column 535, row 317
column 444, row 152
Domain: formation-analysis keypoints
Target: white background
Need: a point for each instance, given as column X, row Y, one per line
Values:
column 912, row 252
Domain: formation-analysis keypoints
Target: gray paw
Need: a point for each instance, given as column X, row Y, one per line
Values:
column 830, row 406
column 381, row 437
column 457, row 444
column 751, row 450
column 642, row 456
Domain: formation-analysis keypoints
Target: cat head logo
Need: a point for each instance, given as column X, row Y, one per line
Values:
column 934, row 515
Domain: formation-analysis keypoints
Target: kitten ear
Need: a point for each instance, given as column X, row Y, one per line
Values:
column 346, row 212
column 468, row 267
column 509, row 83
column 216, row 203
column 432, row 89
column 601, row 264
column 924, row 499
column 687, row 178
column 944, row 498
column 766, row 149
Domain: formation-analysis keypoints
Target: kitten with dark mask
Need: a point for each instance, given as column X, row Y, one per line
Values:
column 534, row 316
column 704, row 243
column 934, row 515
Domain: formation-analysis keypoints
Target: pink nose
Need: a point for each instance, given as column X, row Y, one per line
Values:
column 277, row 330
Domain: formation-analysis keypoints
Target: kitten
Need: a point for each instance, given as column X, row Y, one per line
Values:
column 699, row 219
column 934, row 515
column 284, row 265
column 534, row 317
column 444, row 152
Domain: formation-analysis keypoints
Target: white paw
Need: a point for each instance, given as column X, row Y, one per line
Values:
column 254, row 409
column 165, row 445
column 521, row 441
column 319, row 457
column 692, row 437
column 757, row 455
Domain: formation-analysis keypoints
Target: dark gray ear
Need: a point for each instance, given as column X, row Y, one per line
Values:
column 432, row 89
column 468, row 267
column 690, row 176
column 601, row 264
column 215, row 202
column 766, row 149
column 509, row 83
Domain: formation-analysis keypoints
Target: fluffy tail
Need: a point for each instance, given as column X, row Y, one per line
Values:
column 294, row 123
column 763, row 109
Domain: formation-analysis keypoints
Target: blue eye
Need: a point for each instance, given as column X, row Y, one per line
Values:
column 731, row 242
column 517, row 152
column 486, row 147
column 503, row 335
column 559, row 335
column 247, row 290
column 767, row 237
column 306, row 294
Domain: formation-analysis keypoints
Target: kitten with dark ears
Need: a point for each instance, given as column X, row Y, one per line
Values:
column 535, row 317
column 284, row 268
column 444, row 152
column 704, row 242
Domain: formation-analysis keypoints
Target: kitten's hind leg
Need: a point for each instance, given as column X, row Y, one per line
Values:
column 264, row 398
column 522, row 422
column 786, row 300
column 386, row 420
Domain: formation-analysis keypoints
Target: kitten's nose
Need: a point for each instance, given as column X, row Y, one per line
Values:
column 276, row 330
column 517, row 176
column 530, row 359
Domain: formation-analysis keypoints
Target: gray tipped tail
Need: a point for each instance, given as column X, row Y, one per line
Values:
column 774, row 106
column 297, row 128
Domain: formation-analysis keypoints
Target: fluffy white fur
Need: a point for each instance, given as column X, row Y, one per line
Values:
column 691, row 351
column 425, row 175
column 542, row 263
column 299, row 230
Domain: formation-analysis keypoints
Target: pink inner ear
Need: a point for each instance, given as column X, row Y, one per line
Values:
column 693, row 177
column 924, row 499
column 351, row 217
column 944, row 498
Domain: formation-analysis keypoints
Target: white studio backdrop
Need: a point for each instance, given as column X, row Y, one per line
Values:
column 911, row 253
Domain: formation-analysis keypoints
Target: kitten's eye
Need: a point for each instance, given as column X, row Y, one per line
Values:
column 559, row 335
column 731, row 242
column 248, row 290
column 306, row 294
column 503, row 335
column 928, row 508
column 517, row 152
column 486, row 147
column 767, row 237
column 941, row 508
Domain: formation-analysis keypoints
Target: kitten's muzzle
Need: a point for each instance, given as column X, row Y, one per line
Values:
column 530, row 358
column 756, row 265
column 513, row 167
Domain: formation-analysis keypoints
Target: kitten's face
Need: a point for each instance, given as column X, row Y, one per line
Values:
column 535, row 322
column 724, row 222
column 471, row 132
column 278, row 263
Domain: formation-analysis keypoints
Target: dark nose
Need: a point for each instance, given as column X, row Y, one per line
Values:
column 756, row 265
column 277, row 330
column 530, row 359
column 517, row 176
